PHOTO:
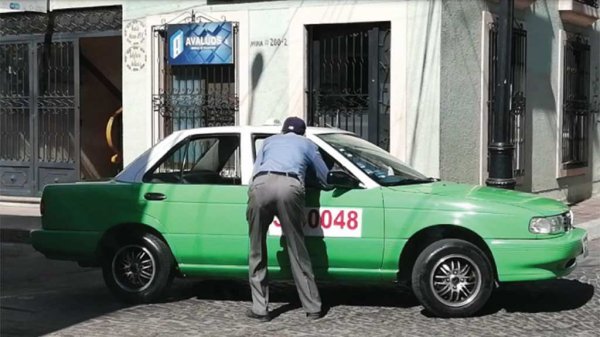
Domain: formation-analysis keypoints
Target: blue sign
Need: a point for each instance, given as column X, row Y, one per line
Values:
column 200, row 43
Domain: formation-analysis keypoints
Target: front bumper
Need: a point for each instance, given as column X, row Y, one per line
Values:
column 66, row 245
column 538, row 259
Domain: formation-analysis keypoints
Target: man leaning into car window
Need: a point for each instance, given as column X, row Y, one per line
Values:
column 277, row 189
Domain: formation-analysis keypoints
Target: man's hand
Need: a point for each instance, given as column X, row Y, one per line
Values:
column 327, row 187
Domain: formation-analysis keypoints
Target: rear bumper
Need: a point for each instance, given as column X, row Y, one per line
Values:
column 529, row 260
column 66, row 245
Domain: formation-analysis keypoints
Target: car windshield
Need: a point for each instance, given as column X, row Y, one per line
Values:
column 378, row 164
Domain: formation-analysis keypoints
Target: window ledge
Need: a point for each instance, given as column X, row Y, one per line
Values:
column 573, row 172
column 577, row 13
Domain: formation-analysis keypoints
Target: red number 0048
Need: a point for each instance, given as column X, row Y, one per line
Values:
column 328, row 218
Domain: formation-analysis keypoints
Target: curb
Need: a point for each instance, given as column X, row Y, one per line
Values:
column 20, row 228
column 20, row 200
column 14, row 235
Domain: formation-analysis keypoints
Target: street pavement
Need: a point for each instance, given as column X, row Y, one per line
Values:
column 40, row 296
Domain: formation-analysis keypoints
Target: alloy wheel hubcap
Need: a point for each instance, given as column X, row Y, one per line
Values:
column 134, row 268
column 455, row 280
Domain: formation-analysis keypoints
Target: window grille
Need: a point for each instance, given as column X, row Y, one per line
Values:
column 519, row 84
column 192, row 96
column 576, row 102
column 349, row 79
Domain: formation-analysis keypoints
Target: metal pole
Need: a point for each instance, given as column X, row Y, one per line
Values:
column 500, row 148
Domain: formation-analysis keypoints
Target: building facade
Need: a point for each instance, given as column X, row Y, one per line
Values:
column 60, row 93
column 414, row 77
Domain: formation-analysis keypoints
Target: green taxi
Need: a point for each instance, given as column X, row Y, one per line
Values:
column 179, row 210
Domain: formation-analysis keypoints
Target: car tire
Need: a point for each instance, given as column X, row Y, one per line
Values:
column 452, row 278
column 139, row 270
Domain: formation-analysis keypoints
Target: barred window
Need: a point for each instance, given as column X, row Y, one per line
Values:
column 518, row 101
column 576, row 102
column 191, row 96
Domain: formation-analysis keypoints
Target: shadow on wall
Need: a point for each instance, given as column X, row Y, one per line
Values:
column 460, row 90
column 541, row 99
column 542, row 107
column 595, row 120
column 256, row 73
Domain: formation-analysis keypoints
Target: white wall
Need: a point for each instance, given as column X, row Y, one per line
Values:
column 272, row 79
column 63, row 4
column 423, row 48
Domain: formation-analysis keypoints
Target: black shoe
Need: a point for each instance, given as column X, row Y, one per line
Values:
column 261, row 318
column 315, row 315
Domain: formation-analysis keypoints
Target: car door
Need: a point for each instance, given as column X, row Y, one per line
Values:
column 195, row 191
column 343, row 229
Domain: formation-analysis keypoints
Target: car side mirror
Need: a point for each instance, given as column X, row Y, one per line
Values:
column 341, row 179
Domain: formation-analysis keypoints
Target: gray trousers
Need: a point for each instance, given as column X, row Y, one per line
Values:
column 274, row 195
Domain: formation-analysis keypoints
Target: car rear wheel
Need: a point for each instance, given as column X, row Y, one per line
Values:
column 139, row 270
column 452, row 278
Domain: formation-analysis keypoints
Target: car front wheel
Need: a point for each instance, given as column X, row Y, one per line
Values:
column 139, row 270
column 452, row 278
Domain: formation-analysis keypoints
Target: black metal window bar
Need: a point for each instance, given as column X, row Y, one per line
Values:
column 593, row 3
column 576, row 102
column 14, row 103
column 193, row 96
column 349, row 79
column 56, row 103
column 518, row 101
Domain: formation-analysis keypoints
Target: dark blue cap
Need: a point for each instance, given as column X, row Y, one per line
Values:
column 295, row 125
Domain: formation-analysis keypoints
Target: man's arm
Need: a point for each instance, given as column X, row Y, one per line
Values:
column 258, row 161
column 320, row 167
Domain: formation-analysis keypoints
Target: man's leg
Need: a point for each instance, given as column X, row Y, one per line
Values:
column 259, row 216
column 290, row 208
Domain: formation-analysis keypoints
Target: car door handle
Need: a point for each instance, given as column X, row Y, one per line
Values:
column 155, row 196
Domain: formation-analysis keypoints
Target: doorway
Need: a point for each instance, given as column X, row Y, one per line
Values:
column 349, row 78
column 101, row 101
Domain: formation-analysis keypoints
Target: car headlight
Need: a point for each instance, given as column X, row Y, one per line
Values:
column 547, row 225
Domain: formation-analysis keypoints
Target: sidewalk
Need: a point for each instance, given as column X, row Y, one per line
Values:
column 587, row 216
column 17, row 219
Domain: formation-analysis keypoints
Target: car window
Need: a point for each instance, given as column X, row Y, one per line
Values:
column 374, row 161
column 201, row 160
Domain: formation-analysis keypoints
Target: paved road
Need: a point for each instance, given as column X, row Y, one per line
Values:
column 40, row 296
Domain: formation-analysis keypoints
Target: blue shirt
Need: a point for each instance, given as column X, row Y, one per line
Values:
column 291, row 153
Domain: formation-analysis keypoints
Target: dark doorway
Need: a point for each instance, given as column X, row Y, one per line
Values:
column 349, row 83
column 101, row 101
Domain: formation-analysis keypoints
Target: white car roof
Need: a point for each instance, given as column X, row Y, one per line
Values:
column 136, row 169
column 253, row 129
